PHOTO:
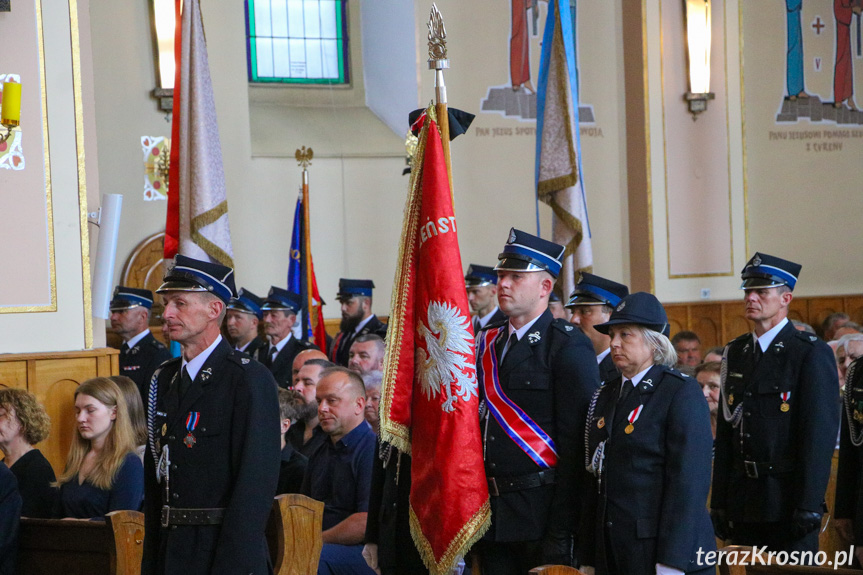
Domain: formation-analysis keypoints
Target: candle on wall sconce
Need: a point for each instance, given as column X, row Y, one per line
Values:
column 10, row 109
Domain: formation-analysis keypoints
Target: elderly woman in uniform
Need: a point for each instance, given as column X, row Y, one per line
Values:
column 648, row 450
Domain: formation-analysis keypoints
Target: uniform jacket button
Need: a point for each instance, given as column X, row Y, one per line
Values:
column 609, row 524
column 175, row 495
column 173, row 466
column 491, row 437
column 492, row 465
column 171, row 438
column 527, row 383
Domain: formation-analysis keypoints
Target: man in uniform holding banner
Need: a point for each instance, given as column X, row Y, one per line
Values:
column 537, row 375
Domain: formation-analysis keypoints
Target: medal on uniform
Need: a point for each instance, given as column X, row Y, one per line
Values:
column 601, row 423
column 858, row 416
column 785, row 397
column 164, row 428
column 633, row 415
column 731, row 399
column 191, row 423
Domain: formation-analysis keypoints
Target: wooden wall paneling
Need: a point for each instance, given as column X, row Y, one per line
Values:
column 853, row 306
column 678, row 318
column 799, row 310
column 734, row 322
column 706, row 321
column 820, row 308
column 14, row 374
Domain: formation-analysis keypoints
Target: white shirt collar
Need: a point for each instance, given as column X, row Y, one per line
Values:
column 134, row 341
column 245, row 346
column 194, row 365
column 520, row 332
column 638, row 377
column 765, row 340
column 281, row 345
column 363, row 323
column 602, row 355
column 483, row 321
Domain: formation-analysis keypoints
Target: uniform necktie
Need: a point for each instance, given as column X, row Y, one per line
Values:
column 513, row 339
column 125, row 349
column 758, row 352
column 272, row 355
column 185, row 382
column 625, row 390
column 476, row 326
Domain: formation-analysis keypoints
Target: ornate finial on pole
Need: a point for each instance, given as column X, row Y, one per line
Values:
column 304, row 157
column 437, row 40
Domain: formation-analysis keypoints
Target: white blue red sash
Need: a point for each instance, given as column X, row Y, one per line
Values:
column 515, row 422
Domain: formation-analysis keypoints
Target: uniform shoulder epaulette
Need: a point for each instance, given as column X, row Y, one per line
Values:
column 168, row 362
column 306, row 344
column 678, row 374
column 806, row 336
column 239, row 357
column 564, row 326
column 490, row 325
column 742, row 337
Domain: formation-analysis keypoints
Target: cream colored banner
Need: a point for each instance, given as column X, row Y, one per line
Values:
column 27, row 235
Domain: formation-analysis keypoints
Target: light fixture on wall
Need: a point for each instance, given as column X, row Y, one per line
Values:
column 10, row 109
column 698, row 52
column 163, row 17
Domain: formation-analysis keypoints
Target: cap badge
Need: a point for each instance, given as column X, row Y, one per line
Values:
column 512, row 235
column 756, row 261
column 567, row 327
column 205, row 375
column 533, row 337
column 621, row 306
column 812, row 338
column 245, row 360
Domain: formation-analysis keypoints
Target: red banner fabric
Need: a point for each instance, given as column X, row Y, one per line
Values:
column 430, row 402
column 172, row 219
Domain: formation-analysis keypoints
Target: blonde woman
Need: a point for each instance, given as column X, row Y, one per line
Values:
column 103, row 473
column 136, row 411
column 23, row 424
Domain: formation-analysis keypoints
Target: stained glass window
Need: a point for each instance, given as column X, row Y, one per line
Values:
column 297, row 41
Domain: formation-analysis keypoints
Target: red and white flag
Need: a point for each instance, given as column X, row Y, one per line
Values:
column 197, row 219
column 429, row 404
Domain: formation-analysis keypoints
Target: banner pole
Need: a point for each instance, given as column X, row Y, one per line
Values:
column 438, row 62
column 304, row 157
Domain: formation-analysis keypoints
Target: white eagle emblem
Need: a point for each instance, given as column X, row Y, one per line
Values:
column 449, row 361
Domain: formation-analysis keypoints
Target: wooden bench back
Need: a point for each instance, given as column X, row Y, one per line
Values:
column 294, row 534
column 113, row 547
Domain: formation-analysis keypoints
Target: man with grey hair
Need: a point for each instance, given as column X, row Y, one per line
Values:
column 803, row 326
column 852, row 348
column 367, row 354
column 373, row 381
column 833, row 322
column 212, row 460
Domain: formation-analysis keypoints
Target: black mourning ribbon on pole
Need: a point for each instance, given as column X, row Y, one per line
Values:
column 459, row 121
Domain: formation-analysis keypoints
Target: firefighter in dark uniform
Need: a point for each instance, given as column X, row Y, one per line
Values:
column 648, row 450
column 141, row 353
column 355, row 297
column 212, row 462
column 244, row 315
column 280, row 314
column 481, row 284
column 591, row 303
column 537, row 375
column 848, row 509
column 776, row 436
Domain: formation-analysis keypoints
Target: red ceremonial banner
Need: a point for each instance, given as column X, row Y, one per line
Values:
column 430, row 400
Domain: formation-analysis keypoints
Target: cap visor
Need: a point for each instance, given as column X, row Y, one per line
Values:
column 180, row 285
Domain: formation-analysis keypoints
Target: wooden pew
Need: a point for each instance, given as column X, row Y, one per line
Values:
column 763, row 566
column 113, row 546
column 555, row 570
column 294, row 534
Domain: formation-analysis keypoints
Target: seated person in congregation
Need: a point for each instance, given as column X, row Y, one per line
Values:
column 339, row 472
column 136, row 412
column 294, row 463
column 10, row 514
column 103, row 473
column 24, row 423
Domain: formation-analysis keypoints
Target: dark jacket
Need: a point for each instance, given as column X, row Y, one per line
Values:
column 10, row 514
column 849, row 498
column 551, row 375
column 292, row 468
column 607, row 369
column 341, row 346
column 140, row 362
column 388, row 523
column 650, row 504
column 281, row 367
column 797, row 440
column 233, row 464
column 35, row 476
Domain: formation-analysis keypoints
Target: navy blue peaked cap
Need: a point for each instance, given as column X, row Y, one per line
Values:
column 769, row 271
column 279, row 298
column 189, row 274
column 640, row 308
column 350, row 288
column 128, row 297
column 595, row 290
column 247, row 302
column 524, row 252
column 478, row 276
